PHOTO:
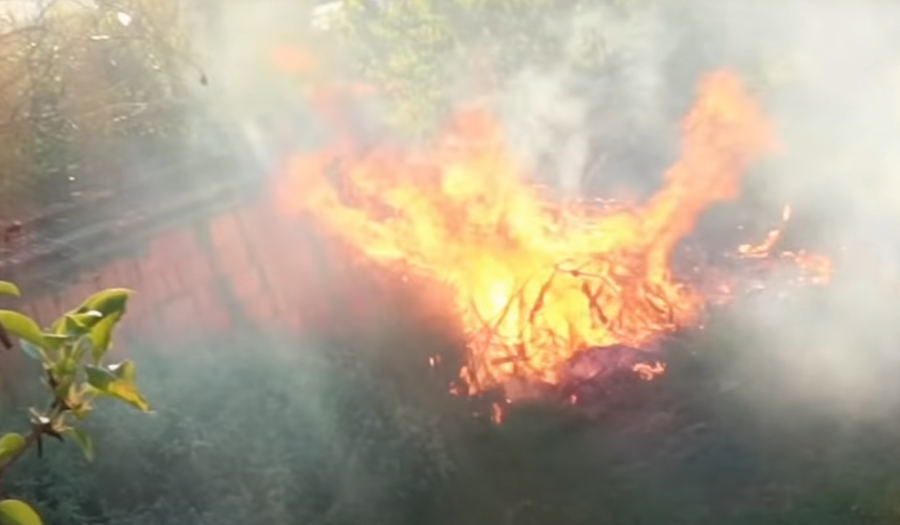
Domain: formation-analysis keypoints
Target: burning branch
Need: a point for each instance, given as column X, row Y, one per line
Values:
column 537, row 282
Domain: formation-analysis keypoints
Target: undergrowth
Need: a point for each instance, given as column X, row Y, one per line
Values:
column 268, row 429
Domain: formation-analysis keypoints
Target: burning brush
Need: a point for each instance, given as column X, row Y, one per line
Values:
column 551, row 294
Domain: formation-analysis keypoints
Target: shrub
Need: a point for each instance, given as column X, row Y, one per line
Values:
column 256, row 427
column 251, row 430
column 76, row 83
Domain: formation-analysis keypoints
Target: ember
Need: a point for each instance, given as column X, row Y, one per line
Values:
column 542, row 288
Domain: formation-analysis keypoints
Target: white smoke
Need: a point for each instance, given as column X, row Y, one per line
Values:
column 604, row 111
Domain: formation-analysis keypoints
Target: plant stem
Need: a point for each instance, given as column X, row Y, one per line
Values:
column 30, row 439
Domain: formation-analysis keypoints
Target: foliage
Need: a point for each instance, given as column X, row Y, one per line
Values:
column 71, row 354
column 429, row 53
column 78, row 82
column 420, row 50
column 592, row 88
column 312, row 438
column 256, row 427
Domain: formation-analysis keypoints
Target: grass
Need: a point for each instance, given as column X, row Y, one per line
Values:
column 356, row 428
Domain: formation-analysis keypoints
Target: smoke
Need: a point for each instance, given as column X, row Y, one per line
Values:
column 602, row 116
column 237, row 44
column 594, row 112
column 599, row 114
column 836, row 112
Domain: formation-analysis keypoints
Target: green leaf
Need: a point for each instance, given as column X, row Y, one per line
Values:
column 59, row 328
column 117, row 382
column 107, row 302
column 22, row 327
column 99, row 378
column 81, row 349
column 10, row 445
column 77, row 324
column 87, row 319
column 15, row 512
column 64, row 372
column 129, row 393
column 7, row 288
column 66, row 367
column 126, row 370
column 55, row 341
column 101, row 335
column 33, row 351
column 83, row 440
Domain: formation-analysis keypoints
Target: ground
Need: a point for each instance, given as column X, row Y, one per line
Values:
column 267, row 428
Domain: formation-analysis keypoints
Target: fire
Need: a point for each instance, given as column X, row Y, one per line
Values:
column 764, row 248
column 649, row 372
column 534, row 281
column 814, row 268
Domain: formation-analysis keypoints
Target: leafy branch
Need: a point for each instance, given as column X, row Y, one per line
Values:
column 71, row 353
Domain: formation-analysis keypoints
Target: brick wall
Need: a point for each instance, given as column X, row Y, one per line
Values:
column 243, row 265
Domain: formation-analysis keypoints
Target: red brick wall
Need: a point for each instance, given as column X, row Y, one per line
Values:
column 245, row 265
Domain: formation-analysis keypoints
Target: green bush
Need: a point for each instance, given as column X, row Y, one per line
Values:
column 80, row 85
column 632, row 64
column 254, row 430
column 359, row 429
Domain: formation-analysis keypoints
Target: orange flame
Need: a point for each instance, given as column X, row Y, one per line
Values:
column 649, row 372
column 534, row 281
column 764, row 248
column 815, row 268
